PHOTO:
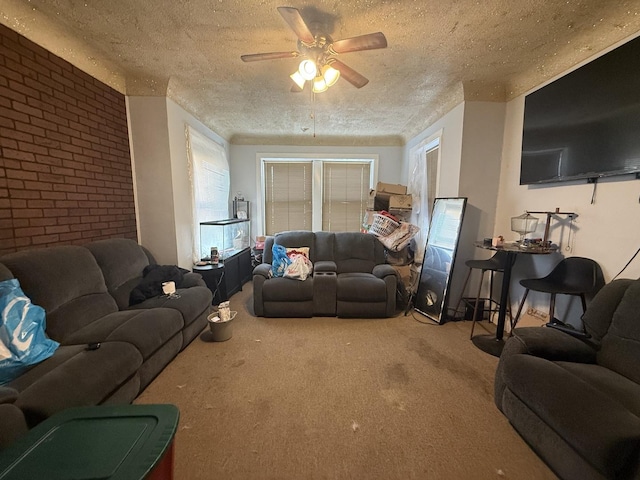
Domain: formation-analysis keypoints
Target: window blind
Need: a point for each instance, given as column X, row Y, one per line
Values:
column 288, row 196
column 345, row 194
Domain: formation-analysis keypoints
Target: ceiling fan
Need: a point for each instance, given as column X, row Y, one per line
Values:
column 319, row 65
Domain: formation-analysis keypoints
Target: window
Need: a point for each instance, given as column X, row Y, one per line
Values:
column 209, row 173
column 327, row 194
column 346, row 188
column 288, row 191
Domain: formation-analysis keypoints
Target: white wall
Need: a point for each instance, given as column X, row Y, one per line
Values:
column 161, row 176
column 245, row 169
column 450, row 151
column 153, row 187
column 607, row 231
column 471, row 150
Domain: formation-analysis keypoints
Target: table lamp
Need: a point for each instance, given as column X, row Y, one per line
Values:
column 523, row 224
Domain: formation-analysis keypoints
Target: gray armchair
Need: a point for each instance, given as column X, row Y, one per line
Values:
column 576, row 401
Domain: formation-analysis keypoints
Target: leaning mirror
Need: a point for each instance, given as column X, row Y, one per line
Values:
column 432, row 295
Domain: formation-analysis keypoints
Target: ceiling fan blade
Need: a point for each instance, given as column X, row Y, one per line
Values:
column 349, row 74
column 370, row 41
column 254, row 57
column 294, row 19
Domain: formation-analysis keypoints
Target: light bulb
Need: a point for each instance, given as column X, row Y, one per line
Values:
column 307, row 69
column 330, row 75
column 319, row 85
column 297, row 78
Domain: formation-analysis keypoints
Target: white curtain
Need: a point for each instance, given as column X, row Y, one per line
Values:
column 422, row 187
column 209, row 174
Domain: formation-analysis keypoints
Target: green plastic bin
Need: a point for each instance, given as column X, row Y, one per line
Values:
column 104, row 442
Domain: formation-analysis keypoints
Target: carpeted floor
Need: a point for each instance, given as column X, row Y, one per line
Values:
column 330, row 398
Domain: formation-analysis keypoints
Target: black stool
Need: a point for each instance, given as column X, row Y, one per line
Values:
column 492, row 265
column 572, row 276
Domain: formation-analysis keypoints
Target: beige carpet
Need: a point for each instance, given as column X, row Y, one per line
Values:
column 330, row 398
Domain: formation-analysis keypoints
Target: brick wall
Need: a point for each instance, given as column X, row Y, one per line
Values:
column 65, row 168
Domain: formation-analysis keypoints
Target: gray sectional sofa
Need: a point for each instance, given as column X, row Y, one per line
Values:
column 85, row 292
column 576, row 401
column 350, row 278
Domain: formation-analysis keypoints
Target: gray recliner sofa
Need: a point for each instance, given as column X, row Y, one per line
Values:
column 350, row 278
column 85, row 292
column 576, row 401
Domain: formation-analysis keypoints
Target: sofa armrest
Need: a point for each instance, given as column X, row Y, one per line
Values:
column 325, row 266
column 8, row 395
column 543, row 342
column 550, row 344
column 383, row 270
column 263, row 270
column 192, row 279
column 12, row 421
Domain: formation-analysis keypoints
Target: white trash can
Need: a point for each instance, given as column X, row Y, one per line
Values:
column 220, row 330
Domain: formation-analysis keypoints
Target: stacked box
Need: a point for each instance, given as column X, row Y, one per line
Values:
column 390, row 197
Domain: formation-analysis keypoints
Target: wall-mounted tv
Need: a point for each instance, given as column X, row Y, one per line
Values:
column 585, row 125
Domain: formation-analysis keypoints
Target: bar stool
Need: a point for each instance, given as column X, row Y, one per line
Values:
column 577, row 276
column 492, row 265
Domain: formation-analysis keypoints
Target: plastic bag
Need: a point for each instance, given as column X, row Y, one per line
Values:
column 23, row 341
column 280, row 260
column 299, row 269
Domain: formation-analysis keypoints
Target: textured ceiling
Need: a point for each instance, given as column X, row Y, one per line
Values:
column 440, row 52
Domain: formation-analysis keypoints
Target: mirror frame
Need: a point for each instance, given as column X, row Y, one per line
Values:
column 433, row 291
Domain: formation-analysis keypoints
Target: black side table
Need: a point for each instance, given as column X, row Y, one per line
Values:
column 213, row 276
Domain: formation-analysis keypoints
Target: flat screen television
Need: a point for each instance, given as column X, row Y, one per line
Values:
column 586, row 124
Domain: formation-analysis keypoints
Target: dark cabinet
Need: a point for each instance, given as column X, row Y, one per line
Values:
column 227, row 278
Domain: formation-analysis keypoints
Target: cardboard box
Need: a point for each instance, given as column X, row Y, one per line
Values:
column 400, row 202
column 385, row 189
column 402, row 214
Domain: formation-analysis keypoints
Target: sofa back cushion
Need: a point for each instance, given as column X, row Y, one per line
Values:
column 620, row 350
column 597, row 318
column 122, row 262
column 357, row 252
column 67, row 282
column 292, row 239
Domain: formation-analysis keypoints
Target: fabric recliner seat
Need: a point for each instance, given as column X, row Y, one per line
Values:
column 577, row 401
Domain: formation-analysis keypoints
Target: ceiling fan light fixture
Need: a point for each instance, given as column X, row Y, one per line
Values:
column 297, row 78
column 330, row 75
column 319, row 84
column 308, row 69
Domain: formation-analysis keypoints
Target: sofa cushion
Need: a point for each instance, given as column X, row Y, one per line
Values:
column 67, row 282
column 598, row 427
column 122, row 261
column 357, row 252
column 620, row 350
column 75, row 376
column 361, row 287
column 297, row 238
column 191, row 303
column 597, row 318
column 614, row 385
column 287, row 290
column 146, row 329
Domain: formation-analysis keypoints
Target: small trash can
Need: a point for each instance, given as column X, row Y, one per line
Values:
column 220, row 330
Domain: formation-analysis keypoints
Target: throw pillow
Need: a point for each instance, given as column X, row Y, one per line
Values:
column 292, row 252
column 23, row 341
